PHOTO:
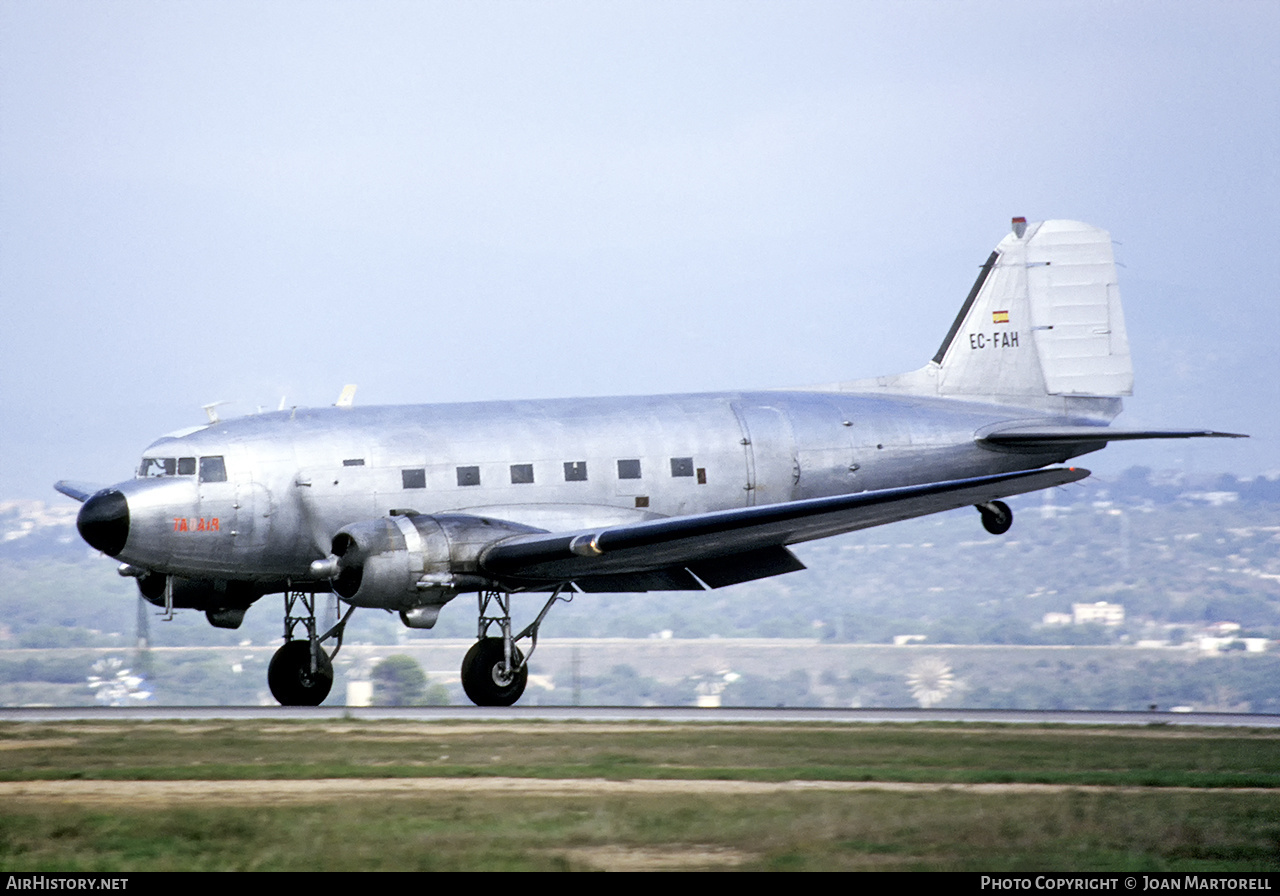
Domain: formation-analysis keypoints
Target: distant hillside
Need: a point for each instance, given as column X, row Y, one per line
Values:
column 1179, row 553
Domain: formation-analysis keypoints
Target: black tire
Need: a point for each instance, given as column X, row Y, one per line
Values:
column 290, row 679
column 482, row 678
column 998, row 519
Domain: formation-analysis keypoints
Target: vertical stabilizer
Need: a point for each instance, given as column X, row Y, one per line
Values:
column 1044, row 318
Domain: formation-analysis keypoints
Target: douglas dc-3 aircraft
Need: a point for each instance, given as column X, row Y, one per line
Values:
column 404, row 508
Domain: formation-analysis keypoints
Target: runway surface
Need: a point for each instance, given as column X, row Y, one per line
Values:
column 637, row 714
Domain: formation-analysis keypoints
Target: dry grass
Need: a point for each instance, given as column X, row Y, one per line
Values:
column 443, row 796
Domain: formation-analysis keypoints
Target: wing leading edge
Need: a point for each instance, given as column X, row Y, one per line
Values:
column 731, row 546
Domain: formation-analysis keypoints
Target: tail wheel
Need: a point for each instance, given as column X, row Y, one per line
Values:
column 290, row 677
column 997, row 518
column 486, row 678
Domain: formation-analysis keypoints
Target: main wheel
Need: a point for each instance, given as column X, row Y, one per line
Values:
column 291, row 680
column 485, row 677
column 996, row 517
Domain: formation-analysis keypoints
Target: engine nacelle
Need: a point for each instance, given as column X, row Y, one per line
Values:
column 411, row 562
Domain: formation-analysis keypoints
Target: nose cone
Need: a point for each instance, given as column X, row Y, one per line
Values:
column 104, row 521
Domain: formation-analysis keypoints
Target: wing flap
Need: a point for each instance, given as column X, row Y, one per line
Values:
column 716, row 572
column 723, row 545
column 736, row 568
column 673, row 579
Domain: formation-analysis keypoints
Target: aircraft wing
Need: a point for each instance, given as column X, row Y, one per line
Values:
column 1030, row 435
column 731, row 546
column 81, row 491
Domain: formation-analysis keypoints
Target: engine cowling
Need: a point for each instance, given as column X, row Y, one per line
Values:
column 412, row 562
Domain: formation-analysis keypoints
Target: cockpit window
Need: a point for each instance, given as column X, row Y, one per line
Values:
column 157, row 466
column 166, row 466
column 212, row 469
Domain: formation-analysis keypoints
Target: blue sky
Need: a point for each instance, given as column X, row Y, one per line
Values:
column 461, row 201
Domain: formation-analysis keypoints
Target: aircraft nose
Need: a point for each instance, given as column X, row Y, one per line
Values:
column 104, row 521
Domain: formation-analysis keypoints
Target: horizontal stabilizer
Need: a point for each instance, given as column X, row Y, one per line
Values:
column 81, row 491
column 745, row 543
column 1040, row 436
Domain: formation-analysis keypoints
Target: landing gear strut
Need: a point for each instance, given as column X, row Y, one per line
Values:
column 301, row 673
column 996, row 517
column 494, row 671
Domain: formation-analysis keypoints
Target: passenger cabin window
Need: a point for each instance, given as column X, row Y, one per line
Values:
column 353, row 462
column 212, row 469
column 521, row 474
column 414, row 478
column 628, row 469
column 681, row 466
column 468, row 475
column 575, row 471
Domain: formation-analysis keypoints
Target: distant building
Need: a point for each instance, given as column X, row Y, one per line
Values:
column 1226, row 636
column 359, row 693
column 1100, row 613
column 1213, row 645
column 1057, row 619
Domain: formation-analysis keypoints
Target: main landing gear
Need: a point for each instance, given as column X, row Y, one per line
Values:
column 996, row 517
column 301, row 673
column 495, row 671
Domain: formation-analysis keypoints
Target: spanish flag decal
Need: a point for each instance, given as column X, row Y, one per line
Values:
column 999, row 317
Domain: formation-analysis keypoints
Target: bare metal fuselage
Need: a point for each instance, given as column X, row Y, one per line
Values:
column 294, row 478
